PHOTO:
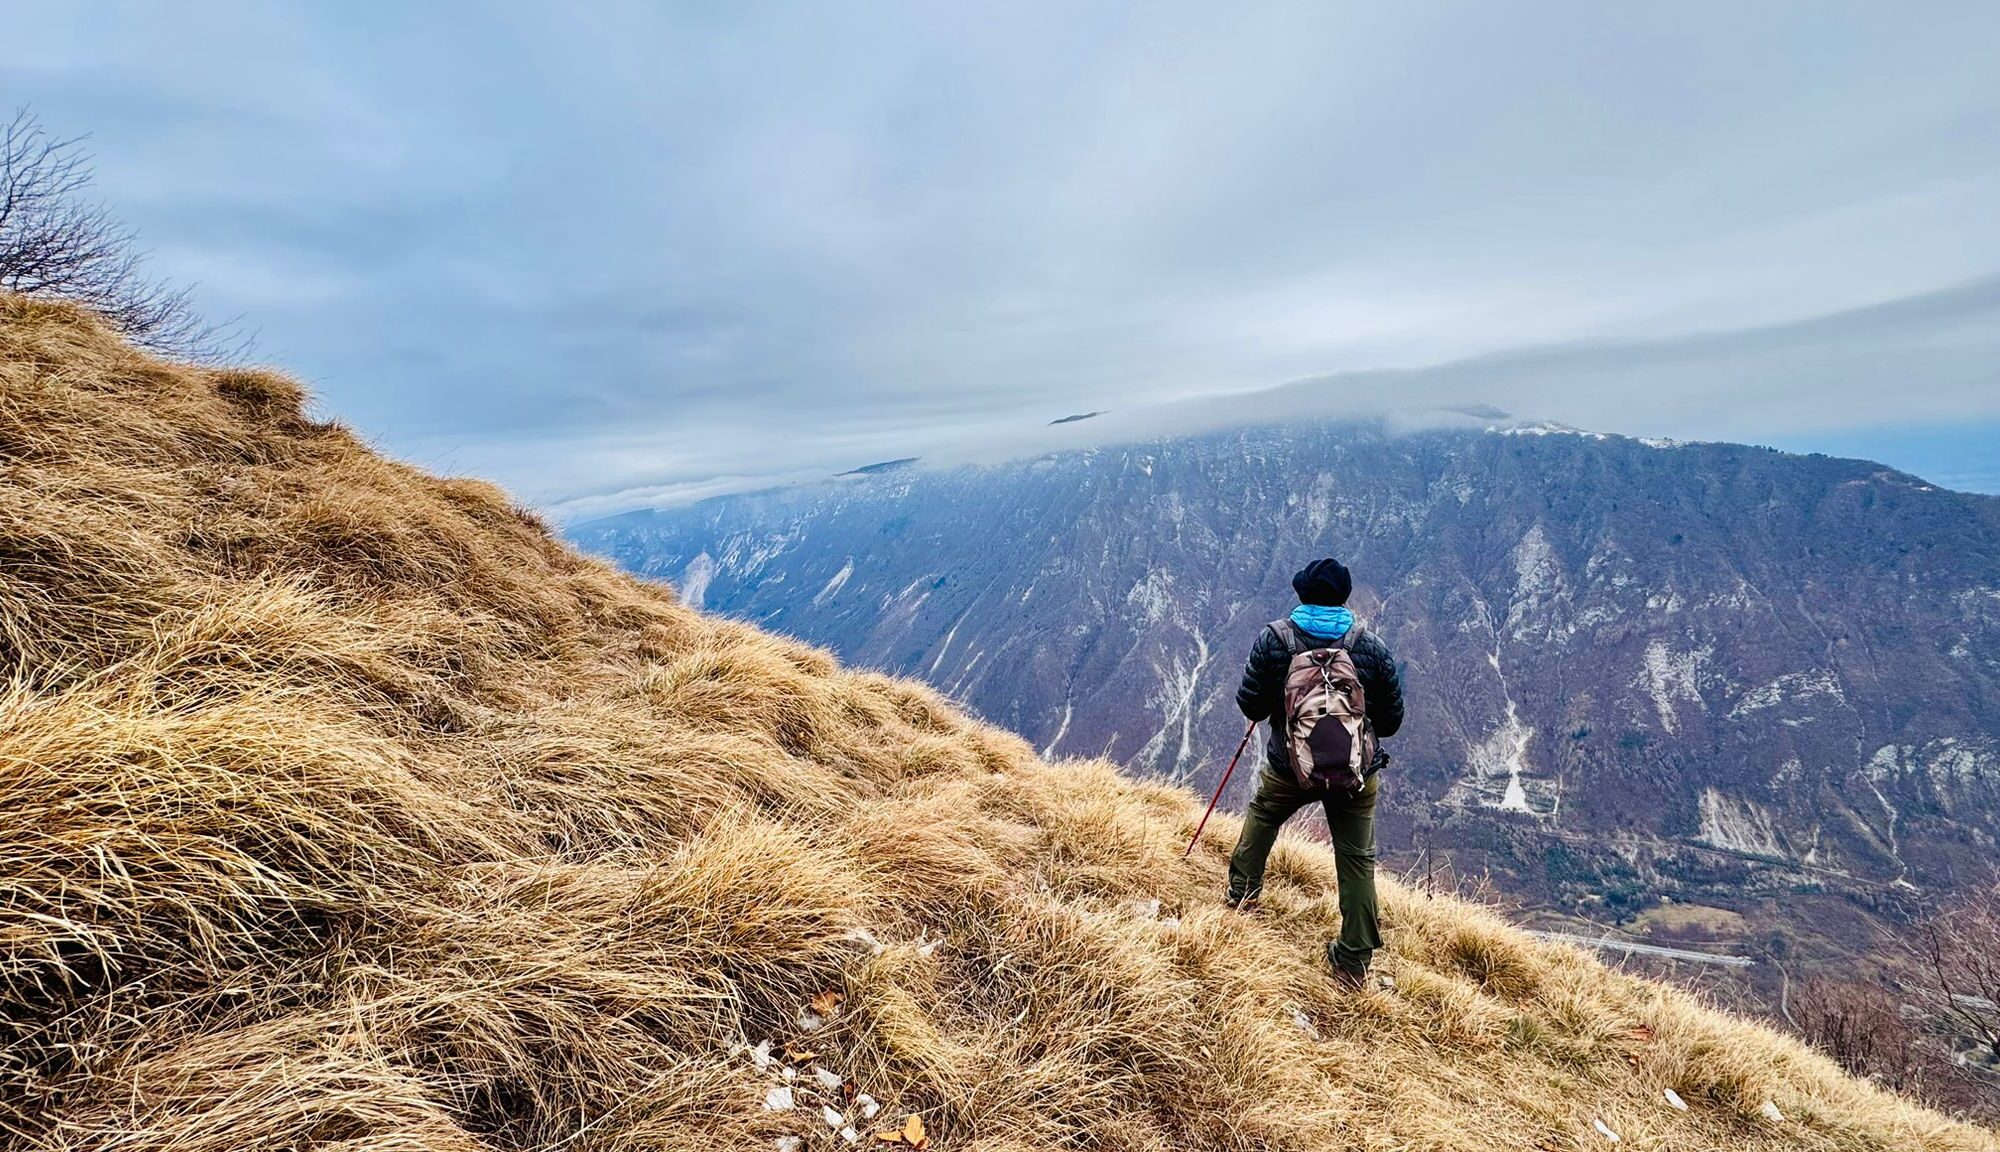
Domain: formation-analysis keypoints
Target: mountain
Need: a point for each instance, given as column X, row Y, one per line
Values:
column 1763, row 682
column 343, row 807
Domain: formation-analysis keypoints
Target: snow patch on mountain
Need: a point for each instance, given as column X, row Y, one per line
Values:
column 1667, row 603
column 1950, row 759
column 1952, row 769
column 1153, row 596
column 1062, row 730
column 1318, row 504
column 1536, row 570
column 945, row 646
column 1880, row 769
column 1503, row 754
column 1548, row 428
column 1180, row 683
column 834, row 585
column 695, row 579
column 1538, row 582
column 1673, row 678
column 1791, row 688
column 747, row 552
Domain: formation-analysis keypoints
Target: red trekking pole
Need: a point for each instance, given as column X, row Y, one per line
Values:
column 1218, row 789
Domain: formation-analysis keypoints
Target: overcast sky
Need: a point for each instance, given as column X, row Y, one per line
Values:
column 608, row 253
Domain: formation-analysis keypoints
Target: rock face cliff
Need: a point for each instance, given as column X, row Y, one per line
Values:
column 1634, row 668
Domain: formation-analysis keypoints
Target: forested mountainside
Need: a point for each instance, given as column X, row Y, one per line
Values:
column 1635, row 668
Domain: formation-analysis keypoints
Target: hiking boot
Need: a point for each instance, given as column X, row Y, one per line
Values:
column 1240, row 903
column 1345, row 977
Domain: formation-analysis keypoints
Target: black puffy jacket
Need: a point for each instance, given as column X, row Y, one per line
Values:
column 1262, row 695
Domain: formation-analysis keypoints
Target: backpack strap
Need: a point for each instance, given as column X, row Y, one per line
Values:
column 1296, row 641
column 1289, row 635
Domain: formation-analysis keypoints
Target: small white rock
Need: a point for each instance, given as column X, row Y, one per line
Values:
column 828, row 1080
column 810, row 1021
column 790, row 1143
column 1604, row 1130
column 1170, row 921
column 928, row 947
column 779, row 1099
column 867, row 1105
column 1771, row 1113
column 1305, row 1023
column 789, row 1073
column 850, row 1135
column 1674, row 1098
column 761, row 1055
column 833, row 1116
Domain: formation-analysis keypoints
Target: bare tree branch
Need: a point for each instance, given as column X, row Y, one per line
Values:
column 55, row 243
column 1862, row 1027
column 1960, row 948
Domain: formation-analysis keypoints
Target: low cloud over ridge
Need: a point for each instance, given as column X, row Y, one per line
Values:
column 1917, row 361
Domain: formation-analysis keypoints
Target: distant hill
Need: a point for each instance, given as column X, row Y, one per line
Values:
column 1636, row 669
column 342, row 807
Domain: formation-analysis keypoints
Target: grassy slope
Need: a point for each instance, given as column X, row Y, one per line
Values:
column 339, row 804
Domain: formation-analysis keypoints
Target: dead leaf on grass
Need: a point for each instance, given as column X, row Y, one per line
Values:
column 910, row 1135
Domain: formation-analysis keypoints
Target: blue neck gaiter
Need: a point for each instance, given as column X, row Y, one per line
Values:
column 1323, row 621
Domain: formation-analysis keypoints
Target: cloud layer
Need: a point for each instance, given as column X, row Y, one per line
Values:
column 600, row 248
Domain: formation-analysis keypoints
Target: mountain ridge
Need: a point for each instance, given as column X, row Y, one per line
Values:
column 1486, row 419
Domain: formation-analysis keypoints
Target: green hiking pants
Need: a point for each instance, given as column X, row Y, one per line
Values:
column 1352, row 822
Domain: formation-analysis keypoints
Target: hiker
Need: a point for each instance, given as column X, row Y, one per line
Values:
column 1345, row 776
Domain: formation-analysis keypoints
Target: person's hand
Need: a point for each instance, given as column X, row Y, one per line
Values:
column 1381, row 761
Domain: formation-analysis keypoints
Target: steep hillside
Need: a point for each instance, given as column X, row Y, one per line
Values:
column 1635, row 669
column 340, row 806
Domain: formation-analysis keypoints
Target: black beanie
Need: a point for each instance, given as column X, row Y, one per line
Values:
column 1323, row 582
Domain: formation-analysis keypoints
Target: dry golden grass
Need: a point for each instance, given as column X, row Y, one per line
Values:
column 342, row 806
